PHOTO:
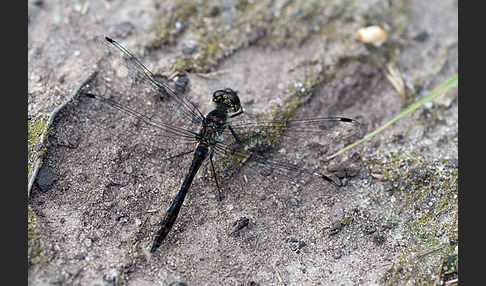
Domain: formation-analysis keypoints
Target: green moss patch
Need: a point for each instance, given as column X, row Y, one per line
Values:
column 35, row 129
column 35, row 251
column 425, row 193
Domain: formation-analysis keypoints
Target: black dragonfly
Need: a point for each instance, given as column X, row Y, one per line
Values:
column 218, row 134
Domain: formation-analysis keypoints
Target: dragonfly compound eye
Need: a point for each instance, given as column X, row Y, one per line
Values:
column 227, row 98
column 218, row 96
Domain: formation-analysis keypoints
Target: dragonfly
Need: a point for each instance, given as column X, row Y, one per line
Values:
column 221, row 136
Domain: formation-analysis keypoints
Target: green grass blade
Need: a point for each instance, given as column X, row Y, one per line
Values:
column 434, row 93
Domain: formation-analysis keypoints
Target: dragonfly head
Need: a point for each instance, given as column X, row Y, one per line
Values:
column 227, row 100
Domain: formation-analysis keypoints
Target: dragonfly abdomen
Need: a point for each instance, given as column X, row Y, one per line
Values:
column 167, row 222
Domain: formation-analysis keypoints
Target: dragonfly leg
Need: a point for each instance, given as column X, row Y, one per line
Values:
column 220, row 195
column 335, row 181
column 234, row 134
column 231, row 128
column 236, row 114
column 179, row 155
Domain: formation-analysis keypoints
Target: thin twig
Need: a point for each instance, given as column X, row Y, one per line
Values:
column 211, row 74
column 420, row 256
column 394, row 77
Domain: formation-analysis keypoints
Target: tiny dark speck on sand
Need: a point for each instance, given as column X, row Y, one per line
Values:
column 177, row 283
column 422, row 36
column 378, row 239
column 297, row 245
column 239, row 225
column 335, row 228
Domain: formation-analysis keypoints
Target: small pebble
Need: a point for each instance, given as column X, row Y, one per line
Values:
column 88, row 242
column 45, row 178
column 422, row 36
column 337, row 254
column 372, row 35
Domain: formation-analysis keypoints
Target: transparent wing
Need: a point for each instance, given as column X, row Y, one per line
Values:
column 140, row 80
column 128, row 86
column 172, row 132
column 279, row 147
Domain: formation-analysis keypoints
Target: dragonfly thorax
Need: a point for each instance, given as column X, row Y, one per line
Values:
column 213, row 126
